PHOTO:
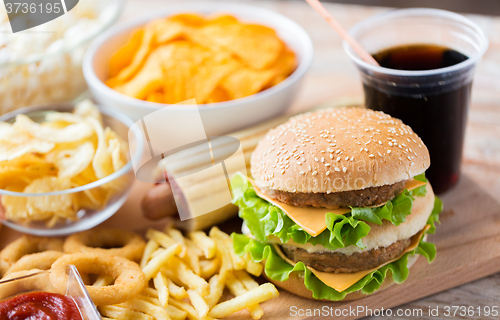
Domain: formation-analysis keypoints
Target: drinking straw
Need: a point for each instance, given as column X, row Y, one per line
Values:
column 341, row 31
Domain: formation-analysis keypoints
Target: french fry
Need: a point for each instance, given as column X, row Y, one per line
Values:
column 192, row 260
column 238, row 262
column 237, row 288
column 151, row 247
column 150, row 292
column 175, row 313
column 157, row 262
column 115, row 312
column 175, row 291
column 188, row 277
column 222, row 253
column 193, row 247
column 190, row 310
column 177, row 236
column 253, row 267
column 160, row 283
column 247, row 281
column 205, row 243
column 198, row 303
column 163, row 239
column 146, row 307
column 263, row 293
column 209, row 267
column 217, row 285
column 103, row 281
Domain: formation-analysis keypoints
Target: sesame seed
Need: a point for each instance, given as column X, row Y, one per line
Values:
column 344, row 169
column 337, row 169
column 316, row 159
column 282, row 171
column 371, row 155
column 309, row 168
column 302, row 172
column 331, row 156
column 388, row 151
column 327, row 164
column 299, row 163
column 327, row 173
column 315, row 173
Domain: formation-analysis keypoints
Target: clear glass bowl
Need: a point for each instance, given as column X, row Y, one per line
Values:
column 53, row 72
column 87, row 218
column 41, row 282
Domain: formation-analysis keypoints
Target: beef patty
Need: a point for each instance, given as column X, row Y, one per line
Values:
column 356, row 198
column 336, row 262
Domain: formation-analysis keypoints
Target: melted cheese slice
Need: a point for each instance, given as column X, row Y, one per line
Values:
column 342, row 281
column 311, row 219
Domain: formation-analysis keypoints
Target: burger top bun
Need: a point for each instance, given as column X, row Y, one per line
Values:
column 335, row 150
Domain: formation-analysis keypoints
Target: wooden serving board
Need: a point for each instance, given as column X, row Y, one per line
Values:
column 468, row 243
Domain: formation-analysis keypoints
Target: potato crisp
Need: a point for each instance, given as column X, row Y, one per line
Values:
column 211, row 59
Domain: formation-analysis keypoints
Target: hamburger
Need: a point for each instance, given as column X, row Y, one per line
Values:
column 338, row 206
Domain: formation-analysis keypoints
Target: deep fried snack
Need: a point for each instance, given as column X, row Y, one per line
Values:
column 40, row 261
column 20, row 273
column 26, row 245
column 120, row 243
column 129, row 278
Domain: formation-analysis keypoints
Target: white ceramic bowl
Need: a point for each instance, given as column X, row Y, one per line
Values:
column 218, row 118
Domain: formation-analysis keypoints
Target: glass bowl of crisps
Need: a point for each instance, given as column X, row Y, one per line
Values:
column 243, row 64
column 64, row 167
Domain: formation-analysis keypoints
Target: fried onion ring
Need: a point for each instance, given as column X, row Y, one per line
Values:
column 27, row 245
column 122, row 243
column 41, row 261
column 129, row 278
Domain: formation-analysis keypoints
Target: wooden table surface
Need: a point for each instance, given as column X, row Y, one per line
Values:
column 332, row 77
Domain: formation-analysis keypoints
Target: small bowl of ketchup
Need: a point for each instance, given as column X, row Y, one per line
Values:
column 34, row 296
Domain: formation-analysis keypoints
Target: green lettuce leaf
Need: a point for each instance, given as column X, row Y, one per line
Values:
column 278, row 269
column 264, row 219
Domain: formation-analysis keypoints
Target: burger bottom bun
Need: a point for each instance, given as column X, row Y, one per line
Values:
column 295, row 284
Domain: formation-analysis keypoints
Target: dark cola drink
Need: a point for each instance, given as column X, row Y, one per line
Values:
column 435, row 107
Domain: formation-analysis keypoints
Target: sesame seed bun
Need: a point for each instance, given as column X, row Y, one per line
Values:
column 337, row 150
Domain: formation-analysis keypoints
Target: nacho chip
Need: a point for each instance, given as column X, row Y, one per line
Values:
column 193, row 71
column 188, row 19
column 246, row 81
column 147, row 80
column 142, row 52
column 258, row 46
column 156, row 96
column 124, row 56
column 218, row 95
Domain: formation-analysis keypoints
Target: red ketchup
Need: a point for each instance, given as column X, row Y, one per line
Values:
column 39, row 305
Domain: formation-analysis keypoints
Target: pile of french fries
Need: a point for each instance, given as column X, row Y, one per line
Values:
column 188, row 277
